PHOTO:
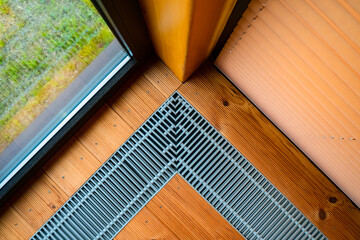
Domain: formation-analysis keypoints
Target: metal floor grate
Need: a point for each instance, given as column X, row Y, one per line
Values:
column 177, row 139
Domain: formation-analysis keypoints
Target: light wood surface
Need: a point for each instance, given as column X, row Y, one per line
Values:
column 36, row 202
column 104, row 133
column 67, row 169
column 229, row 111
column 14, row 226
column 299, row 63
column 144, row 93
column 184, row 32
column 178, row 212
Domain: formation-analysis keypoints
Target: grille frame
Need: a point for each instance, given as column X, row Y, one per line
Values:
column 176, row 138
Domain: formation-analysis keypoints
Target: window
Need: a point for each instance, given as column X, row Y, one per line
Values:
column 45, row 45
column 58, row 61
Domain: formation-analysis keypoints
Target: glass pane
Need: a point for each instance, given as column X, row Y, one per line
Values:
column 46, row 46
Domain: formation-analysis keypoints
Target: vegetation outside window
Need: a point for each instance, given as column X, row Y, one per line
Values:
column 55, row 56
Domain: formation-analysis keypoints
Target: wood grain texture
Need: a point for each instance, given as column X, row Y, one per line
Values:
column 168, row 24
column 144, row 93
column 39, row 201
column 178, row 212
column 184, row 32
column 272, row 153
column 104, row 133
column 161, row 77
column 31, row 207
column 14, row 226
column 71, row 166
column 208, row 20
column 299, row 63
column 146, row 225
column 41, row 197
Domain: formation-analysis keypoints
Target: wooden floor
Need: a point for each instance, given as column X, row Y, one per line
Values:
column 178, row 212
column 226, row 109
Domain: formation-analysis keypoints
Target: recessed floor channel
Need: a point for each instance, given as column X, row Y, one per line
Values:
column 177, row 139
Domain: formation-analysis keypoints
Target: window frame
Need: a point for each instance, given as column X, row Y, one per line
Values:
column 125, row 20
column 235, row 16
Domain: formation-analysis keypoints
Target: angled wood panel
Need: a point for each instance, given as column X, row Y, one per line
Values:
column 299, row 62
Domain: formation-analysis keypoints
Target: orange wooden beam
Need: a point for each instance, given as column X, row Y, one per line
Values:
column 184, row 32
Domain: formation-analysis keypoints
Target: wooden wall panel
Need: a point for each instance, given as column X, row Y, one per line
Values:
column 299, row 63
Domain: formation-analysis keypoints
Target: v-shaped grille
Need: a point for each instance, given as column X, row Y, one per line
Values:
column 177, row 139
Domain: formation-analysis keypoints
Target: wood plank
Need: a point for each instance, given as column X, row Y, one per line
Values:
column 131, row 108
column 232, row 114
column 158, row 74
column 139, row 101
column 169, row 34
column 146, row 225
column 208, row 21
column 145, row 93
column 104, row 133
column 67, row 167
column 38, row 200
column 14, row 226
column 178, row 210
column 149, row 94
column 272, row 153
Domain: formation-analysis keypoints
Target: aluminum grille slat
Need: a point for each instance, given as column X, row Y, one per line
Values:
column 177, row 139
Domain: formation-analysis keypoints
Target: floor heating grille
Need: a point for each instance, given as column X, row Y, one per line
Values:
column 177, row 139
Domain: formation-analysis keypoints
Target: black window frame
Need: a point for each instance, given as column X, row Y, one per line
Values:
column 235, row 16
column 125, row 20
